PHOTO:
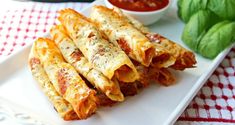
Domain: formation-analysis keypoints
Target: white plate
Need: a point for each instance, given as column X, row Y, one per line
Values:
column 154, row 105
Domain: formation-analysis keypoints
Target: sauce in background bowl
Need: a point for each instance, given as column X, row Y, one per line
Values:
column 140, row 5
column 146, row 11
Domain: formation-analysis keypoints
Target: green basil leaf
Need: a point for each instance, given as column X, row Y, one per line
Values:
column 186, row 8
column 179, row 4
column 197, row 27
column 220, row 36
column 223, row 8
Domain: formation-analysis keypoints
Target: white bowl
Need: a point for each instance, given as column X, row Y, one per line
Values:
column 146, row 18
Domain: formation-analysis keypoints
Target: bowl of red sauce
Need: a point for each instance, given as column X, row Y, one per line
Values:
column 146, row 11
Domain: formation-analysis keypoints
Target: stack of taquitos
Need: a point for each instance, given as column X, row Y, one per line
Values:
column 65, row 79
column 114, row 54
column 132, row 34
column 63, row 107
column 75, row 57
column 175, row 55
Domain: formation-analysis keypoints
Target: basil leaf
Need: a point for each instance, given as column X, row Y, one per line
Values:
column 223, row 8
column 186, row 8
column 179, row 4
column 220, row 36
column 197, row 27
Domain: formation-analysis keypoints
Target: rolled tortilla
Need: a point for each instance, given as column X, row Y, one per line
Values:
column 65, row 79
column 123, row 34
column 103, row 55
column 162, row 57
column 180, row 58
column 159, row 75
column 64, row 108
column 75, row 57
column 165, row 77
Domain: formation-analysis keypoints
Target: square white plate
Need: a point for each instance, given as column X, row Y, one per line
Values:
column 154, row 105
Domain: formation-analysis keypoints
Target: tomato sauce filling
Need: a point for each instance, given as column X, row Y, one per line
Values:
column 124, row 45
column 161, row 58
column 122, row 72
column 149, row 53
column 62, row 80
column 77, row 54
column 140, row 5
column 128, row 89
column 33, row 62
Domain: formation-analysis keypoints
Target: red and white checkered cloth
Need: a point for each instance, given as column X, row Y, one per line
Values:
column 216, row 100
column 27, row 21
column 214, row 104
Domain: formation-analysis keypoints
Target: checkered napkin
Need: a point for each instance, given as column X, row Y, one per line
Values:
column 27, row 21
column 215, row 102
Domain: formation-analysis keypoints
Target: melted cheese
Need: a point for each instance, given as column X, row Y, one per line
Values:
column 63, row 107
column 103, row 55
column 116, row 28
column 65, row 79
column 95, row 77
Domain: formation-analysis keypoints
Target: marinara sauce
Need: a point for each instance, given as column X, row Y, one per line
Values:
column 140, row 5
